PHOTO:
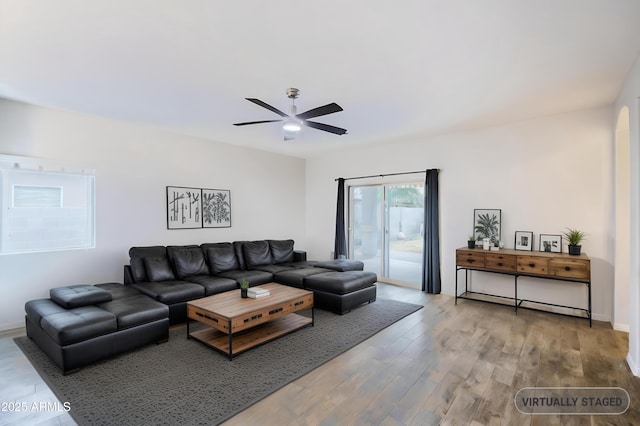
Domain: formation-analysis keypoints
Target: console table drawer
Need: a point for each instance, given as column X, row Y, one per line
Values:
column 503, row 262
column 570, row 268
column 533, row 265
column 470, row 258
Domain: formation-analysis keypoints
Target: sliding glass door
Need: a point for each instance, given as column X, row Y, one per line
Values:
column 386, row 228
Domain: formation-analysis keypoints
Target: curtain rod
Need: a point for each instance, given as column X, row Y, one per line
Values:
column 383, row 175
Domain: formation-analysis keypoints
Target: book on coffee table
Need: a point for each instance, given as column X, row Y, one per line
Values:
column 256, row 292
column 257, row 296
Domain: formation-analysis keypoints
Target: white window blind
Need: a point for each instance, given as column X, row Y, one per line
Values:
column 37, row 196
column 45, row 205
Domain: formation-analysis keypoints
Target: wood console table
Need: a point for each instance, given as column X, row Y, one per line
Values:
column 517, row 263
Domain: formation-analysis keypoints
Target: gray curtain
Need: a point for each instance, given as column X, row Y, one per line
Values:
column 340, row 247
column 431, row 259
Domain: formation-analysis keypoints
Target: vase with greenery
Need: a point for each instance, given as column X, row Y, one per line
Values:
column 471, row 242
column 574, row 237
column 244, row 286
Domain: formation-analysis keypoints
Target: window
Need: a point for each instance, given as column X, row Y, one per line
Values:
column 45, row 206
column 386, row 230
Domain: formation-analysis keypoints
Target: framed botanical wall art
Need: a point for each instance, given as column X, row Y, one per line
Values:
column 486, row 224
column 184, row 207
column 216, row 208
column 551, row 243
column 524, row 240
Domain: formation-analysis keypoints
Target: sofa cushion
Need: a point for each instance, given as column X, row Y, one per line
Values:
column 254, row 277
column 135, row 310
column 213, row 285
column 169, row 292
column 342, row 265
column 296, row 277
column 39, row 308
column 256, row 253
column 221, row 257
column 136, row 260
column 69, row 326
column 158, row 269
column 188, row 260
column 302, row 265
column 273, row 269
column 118, row 290
column 75, row 296
column 238, row 248
column 281, row 250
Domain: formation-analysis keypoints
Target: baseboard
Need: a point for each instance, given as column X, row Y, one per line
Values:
column 601, row 317
column 606, row 318
column 11, row 326
column 621, row 327
column 635, row 368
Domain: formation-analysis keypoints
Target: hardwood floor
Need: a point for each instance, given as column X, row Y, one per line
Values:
column 445, row 364
column 20, row 384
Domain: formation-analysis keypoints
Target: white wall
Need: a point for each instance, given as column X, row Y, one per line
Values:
column 545, row 174
column 621, row 225
column 133, row 166
column 630, row 97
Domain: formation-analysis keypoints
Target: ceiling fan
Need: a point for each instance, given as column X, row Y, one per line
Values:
column 292, row 122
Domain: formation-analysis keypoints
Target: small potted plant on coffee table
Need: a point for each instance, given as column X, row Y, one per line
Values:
column 244, row 286
column 574, row 237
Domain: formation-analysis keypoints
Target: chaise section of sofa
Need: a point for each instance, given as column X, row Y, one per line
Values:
column 81, row 324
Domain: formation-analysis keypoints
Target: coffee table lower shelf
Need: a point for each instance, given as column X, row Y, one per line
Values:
column 236, row 343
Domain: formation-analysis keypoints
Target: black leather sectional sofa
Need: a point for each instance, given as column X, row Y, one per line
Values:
column 175, row 275
column 81, row 324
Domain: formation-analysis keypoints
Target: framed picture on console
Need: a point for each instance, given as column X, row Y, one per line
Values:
column 550, row 243
column 524, row 240
column 216, row 208
column 184, row 207
column 486, row 224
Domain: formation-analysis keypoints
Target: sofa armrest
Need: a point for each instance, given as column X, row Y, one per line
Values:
column 299, row 256
column 128, row 276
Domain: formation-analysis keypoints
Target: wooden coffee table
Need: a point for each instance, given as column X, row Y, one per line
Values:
column 236, row 324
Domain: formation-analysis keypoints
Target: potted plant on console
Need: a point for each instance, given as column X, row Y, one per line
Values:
column 244, row 286
column 471, row 242
column 574, row 237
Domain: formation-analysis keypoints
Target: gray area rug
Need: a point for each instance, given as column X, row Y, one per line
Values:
column 185, row 382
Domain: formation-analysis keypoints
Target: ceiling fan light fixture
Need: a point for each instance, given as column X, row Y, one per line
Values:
column 291, row 126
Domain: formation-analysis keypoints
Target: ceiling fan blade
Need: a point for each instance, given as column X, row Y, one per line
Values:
column 317, row 112
column 255, row 122
column 325, row 127
column 267, row 106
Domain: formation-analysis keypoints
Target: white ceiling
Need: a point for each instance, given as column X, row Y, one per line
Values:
column 399, row 69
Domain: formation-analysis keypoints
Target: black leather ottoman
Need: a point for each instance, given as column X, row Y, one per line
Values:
column 340, row 292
